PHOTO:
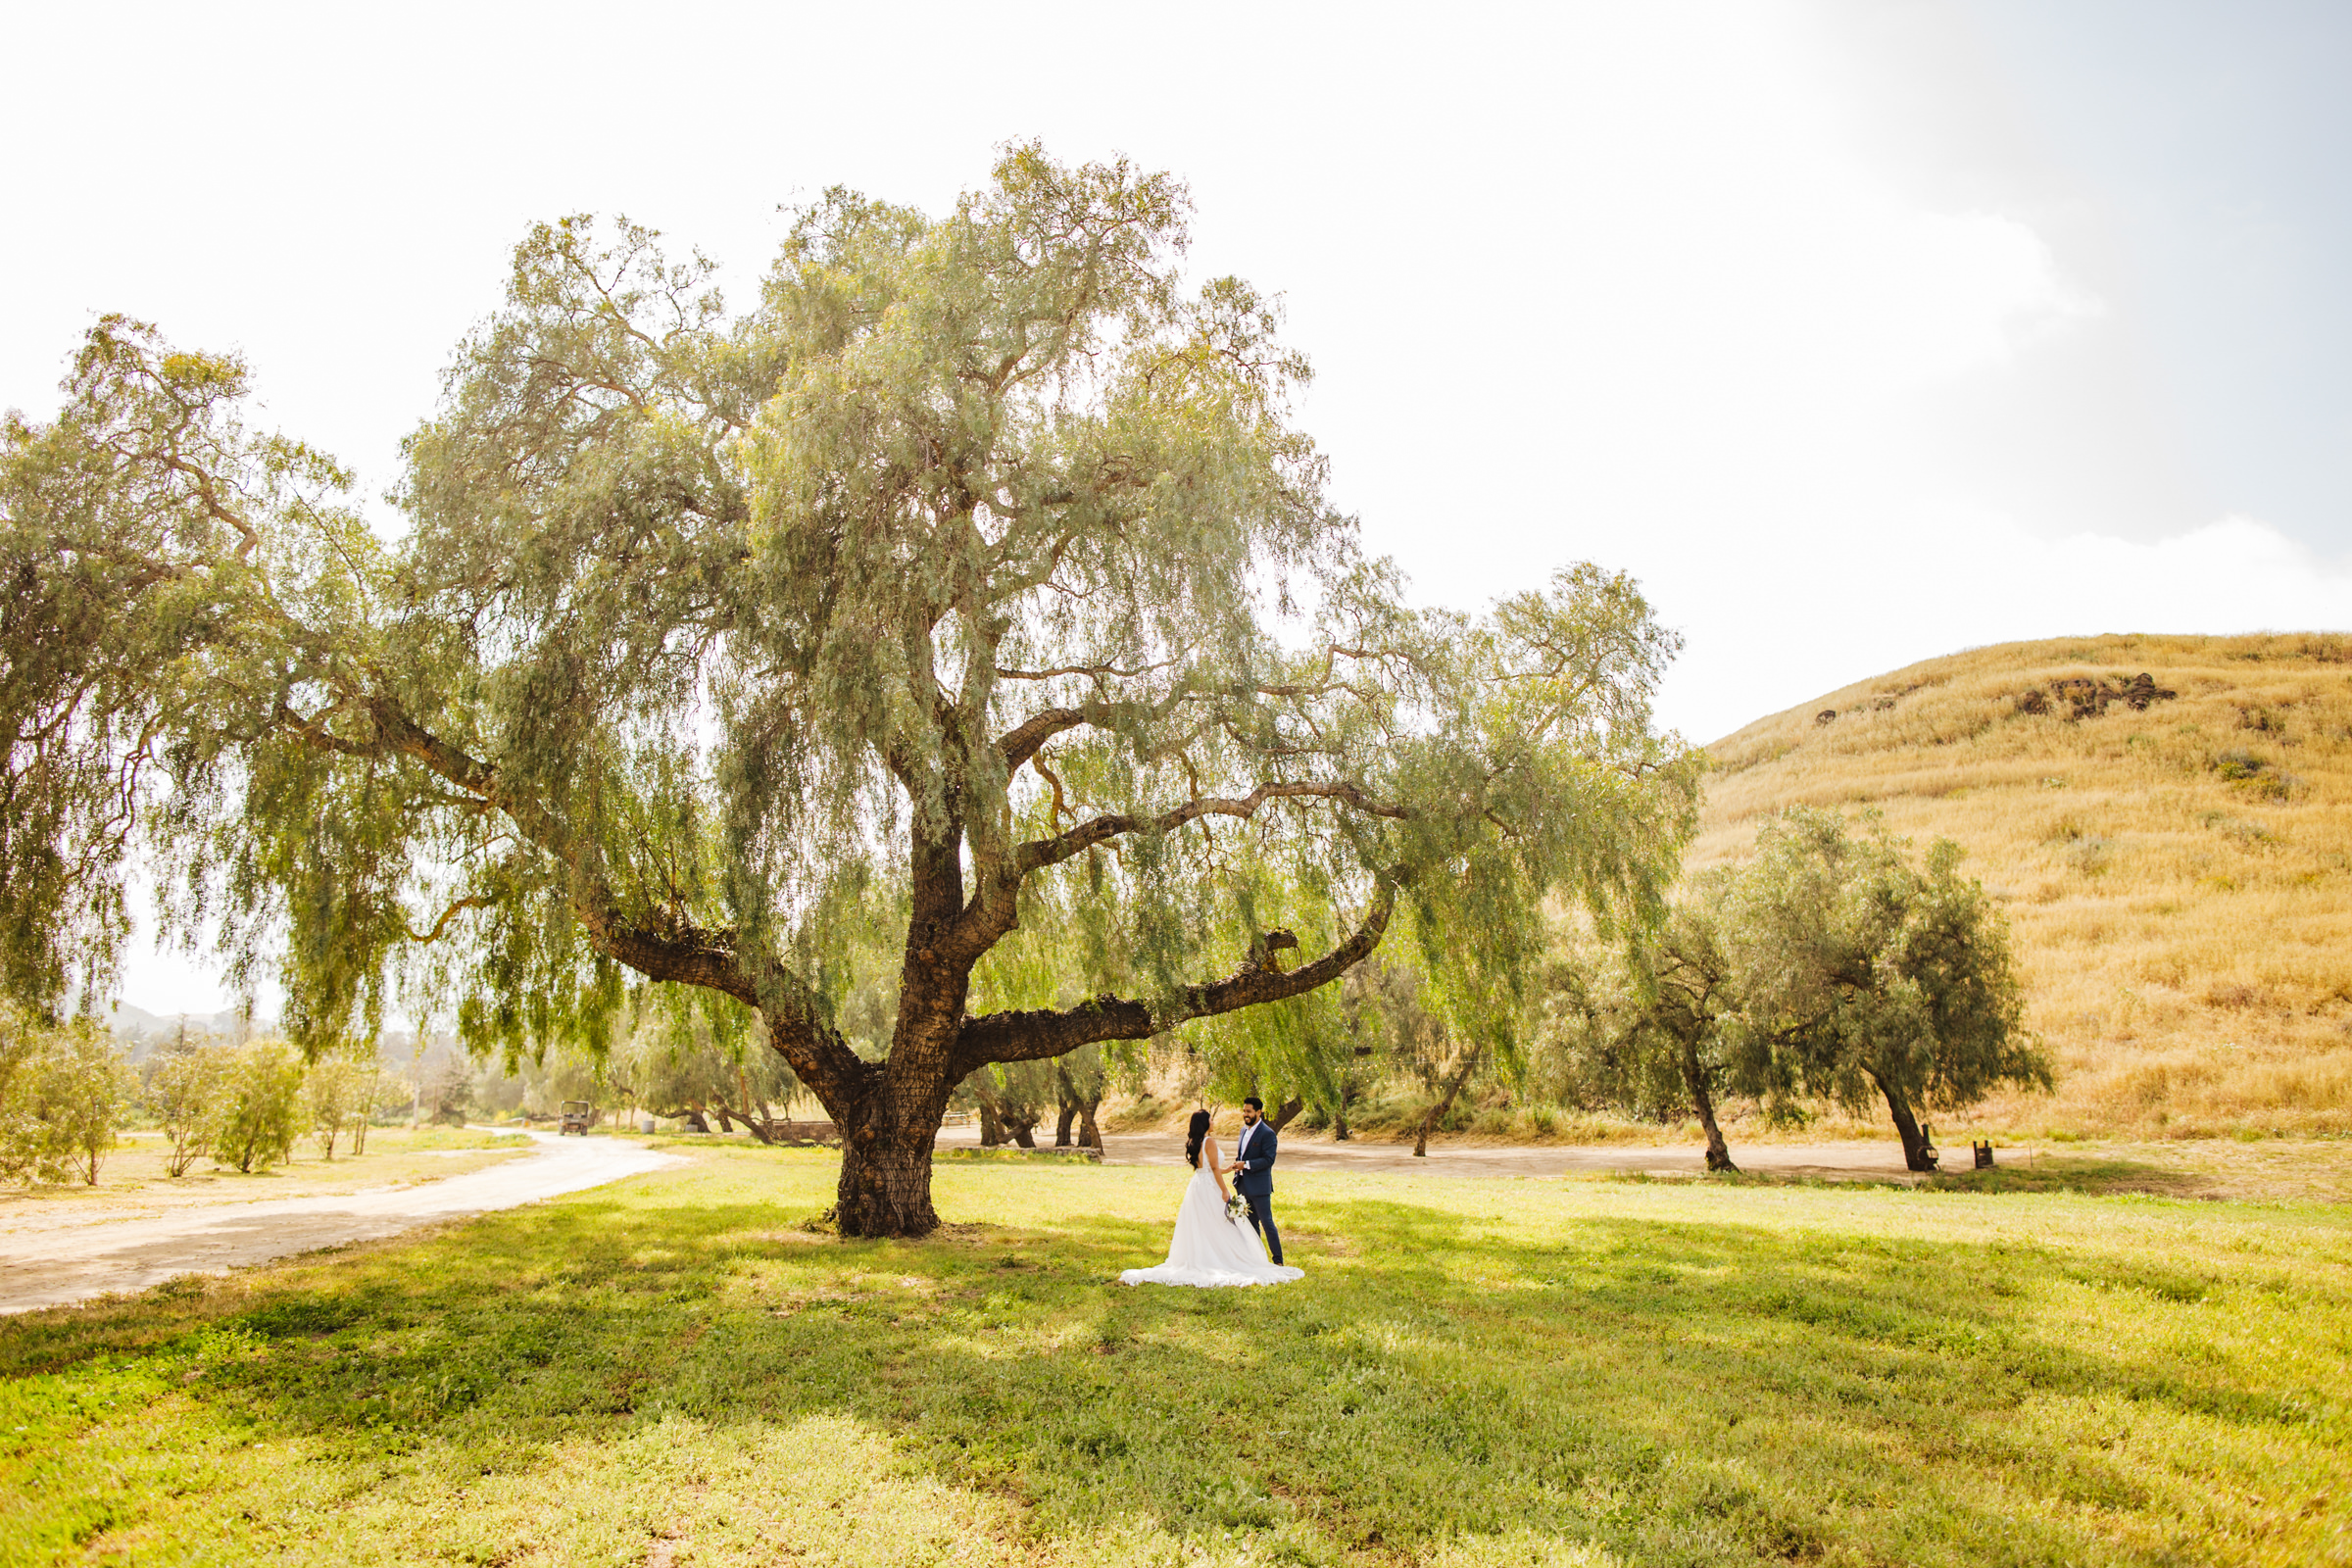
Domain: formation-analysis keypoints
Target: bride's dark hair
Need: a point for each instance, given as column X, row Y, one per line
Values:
column 1193, row 1135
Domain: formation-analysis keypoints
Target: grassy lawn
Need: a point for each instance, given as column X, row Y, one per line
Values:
column 676, row 1371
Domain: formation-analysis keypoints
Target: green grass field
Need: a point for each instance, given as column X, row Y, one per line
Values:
column 679, row 1371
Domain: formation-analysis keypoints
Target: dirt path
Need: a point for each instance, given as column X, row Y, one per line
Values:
column 1855, row 1159
column 78, row 1257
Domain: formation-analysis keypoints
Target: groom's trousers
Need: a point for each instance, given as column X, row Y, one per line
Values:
column 1261, row 1216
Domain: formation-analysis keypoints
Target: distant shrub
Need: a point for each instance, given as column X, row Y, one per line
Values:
column 2248, row 835
column 337, row 1097
column 2254, row 775
column 64, row 1093
column 2238, row 767
column 260, row 1109
column 184, row 1091
column 2090, row 854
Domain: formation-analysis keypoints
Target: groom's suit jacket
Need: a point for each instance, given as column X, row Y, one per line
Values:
column 1253, row 1161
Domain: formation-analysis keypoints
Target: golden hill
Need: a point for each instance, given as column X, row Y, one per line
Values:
column 2174, row 854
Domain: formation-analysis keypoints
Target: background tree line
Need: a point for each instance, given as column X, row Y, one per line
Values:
column 965, row 613
column 67, row 1093
column 947, row 677
column 1833, row 967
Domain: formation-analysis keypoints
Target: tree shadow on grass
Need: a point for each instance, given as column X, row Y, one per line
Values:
column 1682, row 1393
column 2081, row 1175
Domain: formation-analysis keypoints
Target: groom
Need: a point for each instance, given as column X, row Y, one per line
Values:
column 1253, row 1172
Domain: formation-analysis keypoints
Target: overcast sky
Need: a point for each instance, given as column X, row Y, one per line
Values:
column 1861, row 333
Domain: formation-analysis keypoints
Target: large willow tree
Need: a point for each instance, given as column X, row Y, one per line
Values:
column 965, row 626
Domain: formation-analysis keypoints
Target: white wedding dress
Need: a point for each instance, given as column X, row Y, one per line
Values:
column 1209, row 1248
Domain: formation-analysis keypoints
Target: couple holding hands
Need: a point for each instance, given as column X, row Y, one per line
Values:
column 1211, row 1245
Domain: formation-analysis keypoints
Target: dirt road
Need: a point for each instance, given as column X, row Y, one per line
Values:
column 79, row 1258
column 1300, row 1154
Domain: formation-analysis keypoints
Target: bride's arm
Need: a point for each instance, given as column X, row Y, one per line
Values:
column 1216, row 1167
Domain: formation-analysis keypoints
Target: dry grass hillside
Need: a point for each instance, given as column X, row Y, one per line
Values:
column 2174, row 854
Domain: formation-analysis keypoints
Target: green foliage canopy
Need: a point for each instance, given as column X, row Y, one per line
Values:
column 966, row 624
column 1864, row 973
column 64, row 1093
column 1653, row 1024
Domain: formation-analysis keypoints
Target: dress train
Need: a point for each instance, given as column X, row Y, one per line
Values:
column 1209, row 1248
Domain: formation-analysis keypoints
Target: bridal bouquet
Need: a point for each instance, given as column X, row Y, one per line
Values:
column 1237, row 1209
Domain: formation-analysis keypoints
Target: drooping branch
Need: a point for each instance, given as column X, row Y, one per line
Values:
column 1093, row 672
column 447, row 917
column 685, row 955
column 1033, row 1034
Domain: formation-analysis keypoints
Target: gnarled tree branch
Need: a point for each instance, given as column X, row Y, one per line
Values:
column 1038, row 854
column 1034, row 1034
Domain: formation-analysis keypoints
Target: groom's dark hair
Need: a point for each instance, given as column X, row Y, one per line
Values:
column 1253, row 1102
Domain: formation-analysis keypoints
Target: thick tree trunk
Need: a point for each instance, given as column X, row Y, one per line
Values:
column 1694, row 1078
column 992, row 1131
column 756, row 1116
column 1917, row 1154
column 1285, row 1112
column 1089, row 1135
column 1061, row 1125
column 888, row 1113
column 1347, row 1097
column 890, row 1118
column 885, row 1187
column 1437, row 1112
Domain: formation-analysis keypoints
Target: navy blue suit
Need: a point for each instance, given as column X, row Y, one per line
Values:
column 1253, row 1153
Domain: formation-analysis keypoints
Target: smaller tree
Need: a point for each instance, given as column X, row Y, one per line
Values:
column 64, row 1093
column 1079, row 1080
column 683, row 1054
column 382, row 1092
column 1346, row 1070
column 1424, row 1045
column 1652, row 1024
column 92, row 1093
column 338, row 1093
column 184, row 1086
column 443, row 1090
column 1013, row 1098
column 67, row 1094
column 1279, row 1052
column 967, row 1098
column 1866, row 974
column 566, row 1074
column 260, row 1109
column 24, row 1053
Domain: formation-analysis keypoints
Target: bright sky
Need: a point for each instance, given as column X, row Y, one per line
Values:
column 1860, row 332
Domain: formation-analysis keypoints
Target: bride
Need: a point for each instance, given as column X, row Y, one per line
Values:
column 1208, row 1247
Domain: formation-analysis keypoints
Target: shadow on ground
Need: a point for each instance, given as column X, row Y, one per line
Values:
column 1678, row 1392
